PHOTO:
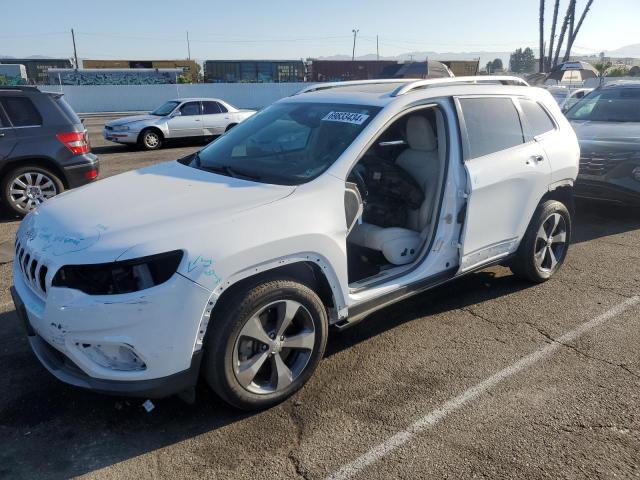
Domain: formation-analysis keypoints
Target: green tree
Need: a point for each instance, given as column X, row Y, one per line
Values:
column 494, row 66
column 522, row 61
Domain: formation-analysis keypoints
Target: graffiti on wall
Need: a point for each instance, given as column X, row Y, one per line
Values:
column 78, row 77
column 6, row 80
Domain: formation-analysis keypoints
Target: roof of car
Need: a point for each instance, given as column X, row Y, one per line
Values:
column 196, row 99
column 627, row 83
column 383, row 92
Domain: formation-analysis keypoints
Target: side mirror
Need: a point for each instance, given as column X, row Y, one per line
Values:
column 177, row 113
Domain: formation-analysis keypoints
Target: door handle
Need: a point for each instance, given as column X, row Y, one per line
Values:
column 538, row 158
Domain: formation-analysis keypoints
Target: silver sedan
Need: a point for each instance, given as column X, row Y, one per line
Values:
column 178, row 118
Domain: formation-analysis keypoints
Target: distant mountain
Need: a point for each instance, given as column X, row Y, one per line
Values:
column 626, row 51
column 422, row 56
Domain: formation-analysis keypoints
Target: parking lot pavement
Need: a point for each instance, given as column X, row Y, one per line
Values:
column 571, row 412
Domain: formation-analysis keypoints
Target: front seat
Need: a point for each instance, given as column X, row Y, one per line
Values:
column 400, row 246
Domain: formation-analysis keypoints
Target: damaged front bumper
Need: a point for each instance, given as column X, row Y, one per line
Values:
column 138, row 344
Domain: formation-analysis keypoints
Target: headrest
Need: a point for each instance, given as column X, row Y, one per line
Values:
column 420, row 134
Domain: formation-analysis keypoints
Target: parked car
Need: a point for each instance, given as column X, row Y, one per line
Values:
column 179, row 118
column 44, row 148
column 607, row 123
column 567, row 97
column 234, row 261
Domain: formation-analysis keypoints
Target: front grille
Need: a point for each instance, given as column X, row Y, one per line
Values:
column 33, row 270
column 595, row 165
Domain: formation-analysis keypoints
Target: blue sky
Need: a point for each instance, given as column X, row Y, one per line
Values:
column 293, row 29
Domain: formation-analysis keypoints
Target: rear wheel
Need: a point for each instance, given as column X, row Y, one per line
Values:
column 545, row 244
column 265, row 343
column 26, row 187
column 150, row 139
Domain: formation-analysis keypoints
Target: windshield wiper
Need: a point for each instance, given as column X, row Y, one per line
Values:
column 225, row 170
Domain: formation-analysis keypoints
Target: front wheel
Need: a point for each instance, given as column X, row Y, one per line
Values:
column 265, row 343
column 150, row 139
column 544, row 247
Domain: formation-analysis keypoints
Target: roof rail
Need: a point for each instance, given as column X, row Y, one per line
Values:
column 439, row 82
column 325, row 86
column 24, row 88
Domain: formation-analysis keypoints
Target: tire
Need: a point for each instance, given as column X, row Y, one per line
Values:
column 26, row 187
column 230, row 126
column 545, row 244
column 253, row 374
column 150, row 139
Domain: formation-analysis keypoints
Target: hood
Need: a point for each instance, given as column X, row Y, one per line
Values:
column 132, row 119
column 593, row 133
column 101, row 221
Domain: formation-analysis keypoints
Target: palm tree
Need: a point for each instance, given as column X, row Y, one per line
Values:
column 554, row 23
column 563, row 31
column 541, row 64
column 574, row 33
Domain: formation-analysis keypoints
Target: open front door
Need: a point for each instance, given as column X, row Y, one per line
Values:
column 507, row 177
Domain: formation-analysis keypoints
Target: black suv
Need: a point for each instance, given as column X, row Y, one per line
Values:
column 44, row 148
column 607, row 123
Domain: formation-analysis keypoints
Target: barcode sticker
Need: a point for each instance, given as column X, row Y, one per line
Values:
column 346, row 117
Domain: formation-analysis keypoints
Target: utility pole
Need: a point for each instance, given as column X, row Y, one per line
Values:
column 75, row 53
column 188, row 47
column 377, row 49
column 355, row 34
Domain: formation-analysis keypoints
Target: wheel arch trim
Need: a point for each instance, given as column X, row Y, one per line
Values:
column 332, row 296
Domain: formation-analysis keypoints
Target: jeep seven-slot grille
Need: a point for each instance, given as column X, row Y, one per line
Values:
column 33, row 271
column 595, row 165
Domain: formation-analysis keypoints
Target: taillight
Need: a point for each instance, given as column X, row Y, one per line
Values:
column 77, row 142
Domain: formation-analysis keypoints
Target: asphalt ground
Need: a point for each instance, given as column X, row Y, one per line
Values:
column 486, row 377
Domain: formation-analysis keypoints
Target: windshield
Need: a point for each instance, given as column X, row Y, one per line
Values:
column 165, row 109
column 608, row 105
column 286, row 143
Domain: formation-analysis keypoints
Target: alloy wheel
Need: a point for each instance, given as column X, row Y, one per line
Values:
column 274, row 347
column 30, row 189
column 551, row 242
column 151, row 139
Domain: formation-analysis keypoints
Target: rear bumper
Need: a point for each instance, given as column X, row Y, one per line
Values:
column 84, row 170
column 65, row 370
column 624, row 191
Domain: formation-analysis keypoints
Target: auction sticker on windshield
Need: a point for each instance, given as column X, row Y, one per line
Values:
column 346, row 117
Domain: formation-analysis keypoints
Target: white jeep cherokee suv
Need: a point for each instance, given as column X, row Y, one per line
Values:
column 235, row 261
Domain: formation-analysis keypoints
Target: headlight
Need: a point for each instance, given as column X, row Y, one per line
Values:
column 121, row 128
column 119, row 277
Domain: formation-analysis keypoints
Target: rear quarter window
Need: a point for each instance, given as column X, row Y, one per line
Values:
column 492, row 125
column 67, row 110
column 538, row 120
column 21, row 111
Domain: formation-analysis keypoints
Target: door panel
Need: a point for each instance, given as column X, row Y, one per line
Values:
column 188, row 123
column 504, row 187
column 214, row 120
column 7, row 141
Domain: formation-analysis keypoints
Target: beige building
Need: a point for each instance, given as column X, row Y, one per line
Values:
column 463, row 68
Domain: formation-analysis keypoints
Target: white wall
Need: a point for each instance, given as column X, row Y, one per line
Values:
column 122, row 98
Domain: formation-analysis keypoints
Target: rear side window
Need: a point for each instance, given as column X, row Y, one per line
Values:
column 492, row 124
column 537, row 118
column 67, row 110
column 21, row 111
column 211, row 108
